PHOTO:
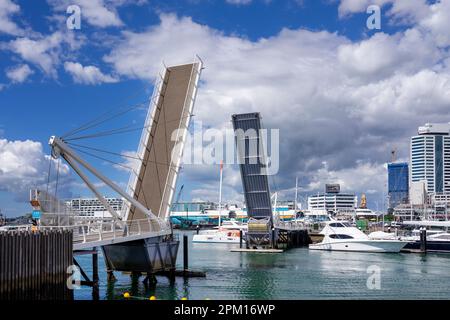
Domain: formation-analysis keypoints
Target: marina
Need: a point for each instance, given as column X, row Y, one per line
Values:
column 190, row 150
column 118, row 245
column 293, row 274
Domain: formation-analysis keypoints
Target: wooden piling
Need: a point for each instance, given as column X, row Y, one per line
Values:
column 240, row 239
column 185, row 253
column 423, row 240
column 33, row 265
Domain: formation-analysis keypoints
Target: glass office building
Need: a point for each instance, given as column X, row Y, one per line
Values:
column 398, row 183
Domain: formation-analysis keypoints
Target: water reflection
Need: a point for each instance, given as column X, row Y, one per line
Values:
column 295, row 274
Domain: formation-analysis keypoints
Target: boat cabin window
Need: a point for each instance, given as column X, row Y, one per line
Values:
column 340, row 236
column 340, row 225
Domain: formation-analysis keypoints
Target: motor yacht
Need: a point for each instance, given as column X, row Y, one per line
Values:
column 228, row 232
column 342, row 236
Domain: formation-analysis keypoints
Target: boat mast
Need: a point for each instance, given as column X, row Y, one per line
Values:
column 296, row 193
column 220, row 193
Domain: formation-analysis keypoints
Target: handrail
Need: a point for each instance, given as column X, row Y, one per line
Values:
column 103, row 230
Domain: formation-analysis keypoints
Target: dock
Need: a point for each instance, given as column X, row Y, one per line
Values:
column 258, row 250
column 33, row 265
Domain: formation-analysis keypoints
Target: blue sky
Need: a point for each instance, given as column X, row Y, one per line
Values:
column 343, row 96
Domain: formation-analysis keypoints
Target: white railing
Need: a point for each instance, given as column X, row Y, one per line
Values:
column 93, row 231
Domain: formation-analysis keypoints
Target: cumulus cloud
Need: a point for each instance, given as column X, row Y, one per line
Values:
column 23, row 165
column 87, row 74
column 438, row 22
column 338, row 101
column 334, row 100
column 384, row 55
column 44, row 51
column 365, row 176
column 7, row 10
column 19, row 73
column 435, row 17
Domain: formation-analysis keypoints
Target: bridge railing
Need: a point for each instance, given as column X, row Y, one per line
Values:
column 288, row 225
column 95, row 230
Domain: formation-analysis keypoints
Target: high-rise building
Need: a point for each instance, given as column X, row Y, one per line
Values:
column 430, row 157
column 398, row 183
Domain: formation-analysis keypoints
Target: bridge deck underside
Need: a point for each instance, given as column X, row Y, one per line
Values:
column 252, row 165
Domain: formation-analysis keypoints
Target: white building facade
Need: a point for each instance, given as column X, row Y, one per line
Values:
column 336, row 203
column 92, row 207
column 430, row 157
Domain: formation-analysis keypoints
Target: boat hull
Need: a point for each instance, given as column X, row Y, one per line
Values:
column 207, row 238
column 432, row 246
column 393, row 246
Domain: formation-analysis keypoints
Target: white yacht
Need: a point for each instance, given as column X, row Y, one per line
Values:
column 232, row 224
column 341, row 236
column 228, row 232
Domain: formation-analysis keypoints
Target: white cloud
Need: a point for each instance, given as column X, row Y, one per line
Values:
column 7, row 10
column 438, row 22
column 98, row 13
column 130, row 162
column 383, row 55
column 87, row 74
column 435, row 17
column 45, row 51
column 19, row 73
column 23, row 165
column 365, row 177
column 346, row 103
column 405, row 11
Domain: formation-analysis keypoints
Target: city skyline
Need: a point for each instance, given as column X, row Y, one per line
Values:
column 343, row 96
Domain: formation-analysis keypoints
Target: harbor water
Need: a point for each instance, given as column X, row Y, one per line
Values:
column 294, row 274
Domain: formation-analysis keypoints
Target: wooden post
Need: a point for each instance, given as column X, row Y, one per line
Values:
column 240, row 239
column 95, row 278
column 185, row 253
column 273, row 237
column 33, row 265
column 423, row 240
column 110, row 276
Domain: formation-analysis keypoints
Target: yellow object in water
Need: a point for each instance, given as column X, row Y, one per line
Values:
column 152, row 298
column 126, row 295
column 184, row 298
